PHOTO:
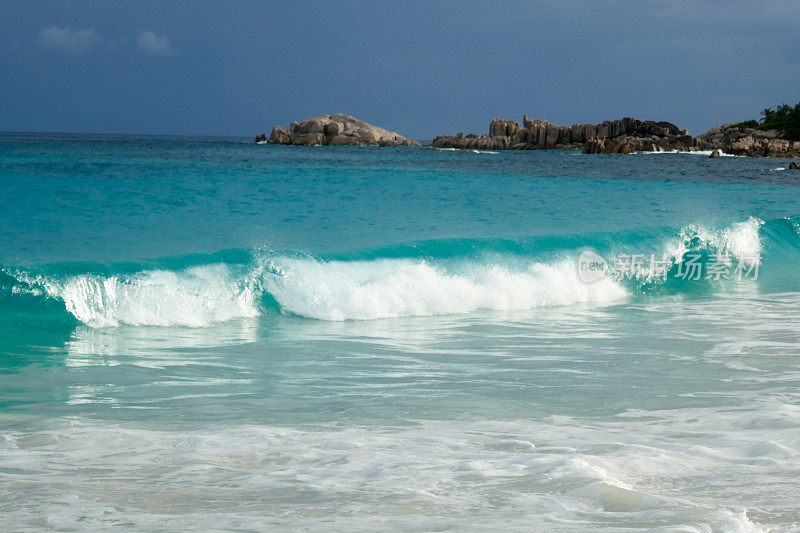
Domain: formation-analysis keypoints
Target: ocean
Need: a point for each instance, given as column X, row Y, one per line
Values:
column 205, row 333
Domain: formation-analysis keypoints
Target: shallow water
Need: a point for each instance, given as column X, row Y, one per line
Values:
column 205, row 333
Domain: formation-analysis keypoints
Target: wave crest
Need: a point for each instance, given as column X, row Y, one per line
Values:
column 449, row 277
column 391, row 288
column 195, row 297
column 740, row 240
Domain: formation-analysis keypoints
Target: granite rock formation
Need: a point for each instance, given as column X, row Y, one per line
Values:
column 337, row 130
column 280, row 135
column 747, row 141
column 622, row 136
column 614, row 137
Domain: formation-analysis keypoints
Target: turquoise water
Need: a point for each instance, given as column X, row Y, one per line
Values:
column 211, row 334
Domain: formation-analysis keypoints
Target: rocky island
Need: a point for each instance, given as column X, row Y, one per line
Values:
column 611, row 137
column 777, row 134
column 336, row 130
column 624, row 136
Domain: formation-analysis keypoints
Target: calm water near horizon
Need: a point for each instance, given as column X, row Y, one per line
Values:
column 208, row 333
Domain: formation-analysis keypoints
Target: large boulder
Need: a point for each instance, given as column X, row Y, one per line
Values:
column 746, row 145
column 576, row 132
column 552, row 136
column 333, row 128
column 280, row 135
column 337, row 130
column 526, row 122
column 503, row 128
column 594, row 146
column 308, row 139
column 776, row 147
column 345, row 140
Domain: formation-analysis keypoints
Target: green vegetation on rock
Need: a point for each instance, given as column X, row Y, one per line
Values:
column 784, row 118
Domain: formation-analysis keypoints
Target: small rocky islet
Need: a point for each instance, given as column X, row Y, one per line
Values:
column 334, row 130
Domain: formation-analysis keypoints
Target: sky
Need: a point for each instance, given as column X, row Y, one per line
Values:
column 419, row 68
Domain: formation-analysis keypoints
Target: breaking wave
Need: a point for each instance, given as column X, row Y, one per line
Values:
column 414, row 279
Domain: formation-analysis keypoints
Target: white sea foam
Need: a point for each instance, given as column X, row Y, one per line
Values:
column 195, row 297
column 326, row 290
column 491, row 152
column 740, row 241
column 694, row 152
column 390, row 288
column 558, row 474
column 427, row 425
